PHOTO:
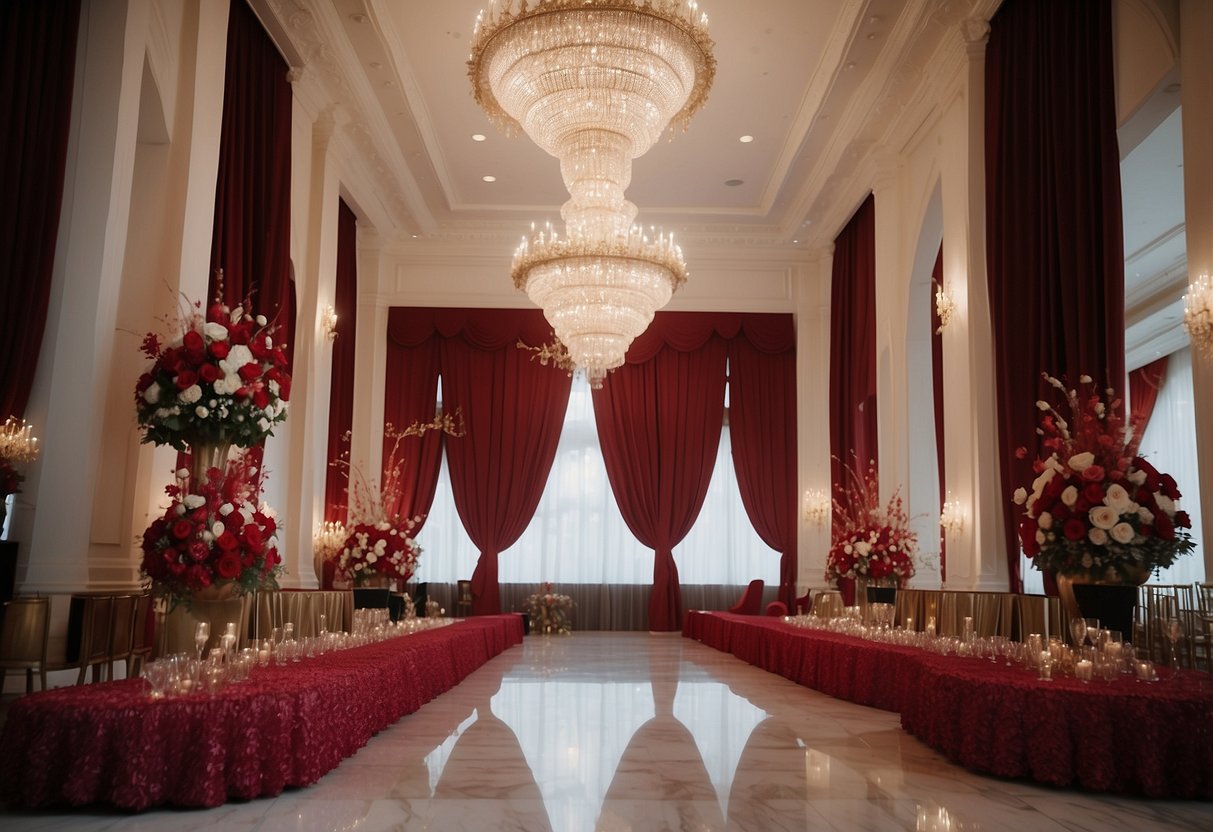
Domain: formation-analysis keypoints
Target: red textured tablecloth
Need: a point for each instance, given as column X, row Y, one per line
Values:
column 1124, row 736
column 284, row 726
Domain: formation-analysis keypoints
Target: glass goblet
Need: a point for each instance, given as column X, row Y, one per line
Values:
column 1078, row 629
column 202, row 633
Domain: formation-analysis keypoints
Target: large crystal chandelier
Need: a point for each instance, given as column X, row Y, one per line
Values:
column 594, row 83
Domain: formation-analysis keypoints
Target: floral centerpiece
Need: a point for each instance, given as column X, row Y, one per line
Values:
column 379, row 543
column 871, row 540
column 213, row 539
column 1097, row 510
column 221, row 379
column 549, row 611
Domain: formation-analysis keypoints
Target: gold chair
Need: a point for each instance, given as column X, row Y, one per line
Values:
column 827, row 604
column 24, row 638
column 122, row 633
column 141, row 645
column 463, row 603
column 96, row 617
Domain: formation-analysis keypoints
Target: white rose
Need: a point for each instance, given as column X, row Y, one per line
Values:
column 182, row 473
column 190, row 394
column 1040, row 536
column 1098, row 536
column 193, row 501
column 260, row 320
column 863, row 548
column 1117, row 498
column 206, row 536
column 1145, row 515
column 202, row 412
column 1020, row 496
column 1137, row 477
column 1122, row 533
column 152, row 394
column 218, row 528
column 1165, row 503
column 1045, row 521
column 1103, row 517
column 215, row 332
column 1069, row 495
column 1083, row 461
column 372, row 556
column 226, row 509
column 180, row 509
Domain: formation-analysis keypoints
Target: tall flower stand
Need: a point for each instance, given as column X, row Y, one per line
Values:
column 181, row 623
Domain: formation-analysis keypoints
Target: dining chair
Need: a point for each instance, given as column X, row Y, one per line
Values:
column 122, row 633
column 141, row 635
column 776, row 609
column 463, row 602
column 97, row 619
column 750, row 602
column 23, row 639
column 827, row 603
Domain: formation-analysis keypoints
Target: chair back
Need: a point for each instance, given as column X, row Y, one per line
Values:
column 751, row 600
column 122, row 630
column 827, row 603
column 463, row 598
column 95, row 636
column 804, row 604
column 777, row 609
column 25, row 633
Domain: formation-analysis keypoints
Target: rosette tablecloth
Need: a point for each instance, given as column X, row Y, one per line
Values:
column 1123, row 736
column 284, row 726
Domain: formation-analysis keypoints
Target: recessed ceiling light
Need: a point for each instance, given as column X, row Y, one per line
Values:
column 794, row 242
column 414, row 236
column 733, row 183
column 746, row 139
column 489, row 178
column 359, row 18
column 374, row 64
column 478, row 137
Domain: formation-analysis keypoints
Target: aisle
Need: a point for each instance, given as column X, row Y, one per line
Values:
column 633, row 731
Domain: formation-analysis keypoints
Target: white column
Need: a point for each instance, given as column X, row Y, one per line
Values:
column 1196, row 70
column 813, row 408
column 892, row 299
column 976, row 558
column 70, row 387
column 370, row 362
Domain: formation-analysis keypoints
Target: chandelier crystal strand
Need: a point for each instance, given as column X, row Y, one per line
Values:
column 594, row 83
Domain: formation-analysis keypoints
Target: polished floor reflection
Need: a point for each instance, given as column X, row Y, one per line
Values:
column 629, row 731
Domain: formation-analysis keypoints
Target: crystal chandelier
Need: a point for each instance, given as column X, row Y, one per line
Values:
column 594, row 83
column 1198, row 314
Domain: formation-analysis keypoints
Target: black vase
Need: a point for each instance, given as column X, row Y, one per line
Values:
column 371, row 597
column 1112, row 604
column 882, row 595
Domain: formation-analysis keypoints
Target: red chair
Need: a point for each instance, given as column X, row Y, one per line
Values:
column 804, row 604
column 751, row 600
column 777, row 609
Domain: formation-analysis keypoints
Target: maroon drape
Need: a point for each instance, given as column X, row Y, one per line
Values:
column 1145, row 383
column 937, row 391
column 37, row 71
column 762, row 431
column 1053, row 212
column 853, row 426
column 659, row 425
column 341, row 382
column 411, row 396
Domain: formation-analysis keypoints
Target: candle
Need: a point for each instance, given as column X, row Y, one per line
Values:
column 1083, row 670
column 263, row 656
column 231, row 628
column 1145, row 671
column 931, row 625
column 1046, row 665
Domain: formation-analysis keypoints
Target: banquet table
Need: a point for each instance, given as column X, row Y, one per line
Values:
column 284, row 726
column 1124, row 736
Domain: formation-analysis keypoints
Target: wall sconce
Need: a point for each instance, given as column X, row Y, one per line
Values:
column 952, row 518
column 1198, row 314
column 17, row 441
column 328, row 323
column 944, row 306
column 816, row 507
column 329, row 539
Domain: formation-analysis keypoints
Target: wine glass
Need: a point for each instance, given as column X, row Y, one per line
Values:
column 1175, row 632
column 1078, row 629
column 202, row 633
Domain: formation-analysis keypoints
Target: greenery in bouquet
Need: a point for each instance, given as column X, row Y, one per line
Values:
column 219, row 379
column 379, row 542
column 214, row 538
column 549, row 611
column 871, row 540
column 1097, row 508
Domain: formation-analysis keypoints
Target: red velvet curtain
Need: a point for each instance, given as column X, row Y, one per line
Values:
column 410, row 396
column 659, row 426
column 37, row 71
column 251, row 241
column 1053, row 213
column 937, row 391
column 762, row 431
column 1145, row 383
column 341, row 382
column 853, row 426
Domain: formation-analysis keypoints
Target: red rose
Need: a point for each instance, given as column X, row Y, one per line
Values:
column 261, row 398
column 171, row 361
column 271, row 559
column 1169, row 487
column 250, row 371
column 193, row 341
column 1021, row 452
column 1061, row 513
column 220, row 349
column 209, row 373
column 144, row 382
column 186, row 379
column 218, row 313
column 227, row 541
column 239, row 333
column 1075, row 529
column 199, row 551
column 1095, row 473
column 267, row 524
column 253, row 538
column 1027, row 536
column 182, row 529
column 228, row 566
column 1163, row 526
column 284, row 385
column 1093, row 492
column 1182, row 520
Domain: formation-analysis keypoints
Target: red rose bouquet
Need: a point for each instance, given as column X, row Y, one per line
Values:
column 213, row 538
column 381, row 549
column 870, row 540
column 221, row 379
column 1096, row 507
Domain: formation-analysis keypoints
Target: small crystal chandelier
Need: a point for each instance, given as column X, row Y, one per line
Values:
column 816, row 507
column 944, row 307
column 1198, row 314
column 594, row 83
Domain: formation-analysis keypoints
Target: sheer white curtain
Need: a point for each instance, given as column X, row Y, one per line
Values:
column 1169, row 443
column 578, row 535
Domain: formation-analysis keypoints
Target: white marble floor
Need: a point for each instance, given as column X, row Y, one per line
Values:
column 630, row 731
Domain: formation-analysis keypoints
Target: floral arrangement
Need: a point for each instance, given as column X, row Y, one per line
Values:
column 213, row 536
column 549, row 611
column 221, row 379
column 870, row 540
column 379, row 543
column 1096, row 507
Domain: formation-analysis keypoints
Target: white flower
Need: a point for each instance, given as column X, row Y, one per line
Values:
column 1069, row 495
column 237, row 357
column 218, row 528
column 1084, row 379
column 202, row 412
column 1083, row 461
column 206, row 536
column 1165, row 503
column 214, row 331
column 1042, row 405
column 1046, row 520
column 1117, row 498
column 1040, row 536
column 1020, row 496
column 180, row 509
column 190, row 394
column 182, row 473
column 1137, row 477
column 152, row 394
column 372, row 556
column 1098, row 536
column 1103, row 517
column 260, row 320
column 1122, row 533
column 1145, row 515
column 226, row 509
column 193, row 501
